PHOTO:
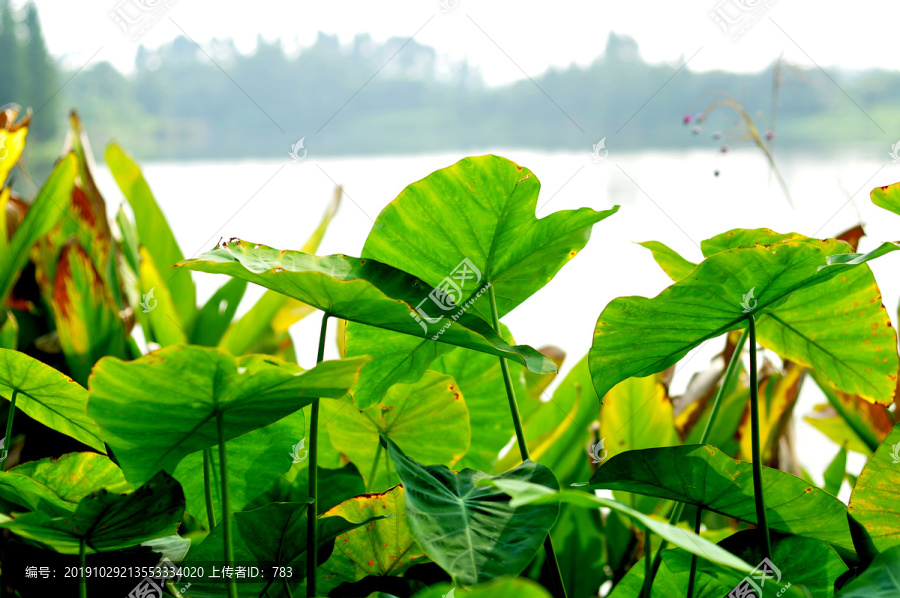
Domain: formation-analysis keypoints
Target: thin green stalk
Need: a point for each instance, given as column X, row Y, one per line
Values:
column 762, row 524
column 226, row 505
column 312, row 517
column 287, row 587
column 555, row 575
column 82, row 560
column 374, row 468
column 648, row 553
column 7, row 440
column 697, row 523
column 678, row 508
column 207, row 487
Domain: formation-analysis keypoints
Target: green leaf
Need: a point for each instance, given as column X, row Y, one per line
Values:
column 887, row 197
column 271, row 536
column 48, row 396
column 381, row 548
column 636, row 336
column 501, row 587
column 427, row 419
column 153, row 230
column 467, row 528
column 54, row 486
column 9, row 330
column 701, row 475
column 255, row 459
column 879, row 580
column 834, row 473
column 874, row 498
column 675, row 266
column 158, row 409
column 48, row 207
column 524, row 493
column 215, row 316
column 108, row 521
column 360, row 290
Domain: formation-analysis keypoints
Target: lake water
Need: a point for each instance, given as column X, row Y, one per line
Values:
column 672, row 197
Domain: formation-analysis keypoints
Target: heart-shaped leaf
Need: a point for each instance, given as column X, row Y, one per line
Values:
column 468, row 528
column 873, row 503
column 158, row 409
column 48, row 396
column 887, row 197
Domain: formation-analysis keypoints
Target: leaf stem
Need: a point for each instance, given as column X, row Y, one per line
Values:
column 697, row 522
column 7, row 440
column 648, row 553
column 82, row 560
column 371, row 479
column 312, row 517
column 226, row 506
column 556, row 576
column 678, row 508
column 762, row 524
column 207, row 487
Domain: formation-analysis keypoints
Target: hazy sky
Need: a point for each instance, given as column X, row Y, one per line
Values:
column 502, row 37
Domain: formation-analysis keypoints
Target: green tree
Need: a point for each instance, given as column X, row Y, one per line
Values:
column 10, row 62
column 40, row 81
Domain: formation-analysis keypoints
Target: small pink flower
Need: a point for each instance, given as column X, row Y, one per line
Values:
column 688, row 119
column 770, row 135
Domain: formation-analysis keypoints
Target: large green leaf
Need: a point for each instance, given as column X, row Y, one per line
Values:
column 48, row 396
column 381, row 548
column 873, row 503
column 887, row 197
column 354, row 289
column 153, row 230
column 469, row 529
column 267, row 537
column 636, row 336
column 881, row 579
column 427, row 419
column 158, row 409
column 48, row 207
column 255, row 459
column 704, row 476
column 54, row 486
column 501, row 587
column 107, row 521
column 461, row 228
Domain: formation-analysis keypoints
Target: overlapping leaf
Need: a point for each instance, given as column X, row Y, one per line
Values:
column 873, row 503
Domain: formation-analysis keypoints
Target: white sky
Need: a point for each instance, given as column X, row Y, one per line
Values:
column 534, row 34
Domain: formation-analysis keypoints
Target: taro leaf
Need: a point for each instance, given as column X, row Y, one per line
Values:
column 381, row 548
column 153, row 230
column 254, row 460
column 835, row 473
column 524, row 493
column 716, row 298
column 747, row 237
column 274, row 313
column 87, row 319
column 355, row 289
column 267, row 537
column 43, row 214
column 801, row 562
column 48, row 396
column 850, row 419
column 459, row 229
column 880, row 579
column 501, row 587
column 873, row 503
column 158, row 409
column 427, row 419
column 108, row 521
column 9, row 330
column 675, row 266
column 887, row 197
column 55, row 486
column 576, row 535
column 469, row 529
column 702, row 475
column 157, row 306
column 215, row 316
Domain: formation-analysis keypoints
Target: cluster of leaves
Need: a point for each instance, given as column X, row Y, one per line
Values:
column 149, row 427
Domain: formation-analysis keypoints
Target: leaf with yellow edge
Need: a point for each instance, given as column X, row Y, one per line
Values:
column 12, row 140
column 382, row 548
column 162, row 315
